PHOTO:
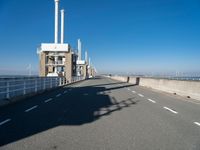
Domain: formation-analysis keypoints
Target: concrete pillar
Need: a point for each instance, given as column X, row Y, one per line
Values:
column 43, row 71
column 85, row 71
column 86, row 57
column 62, row 25
column 56, row 21
column 68, row 66
column 79, row 49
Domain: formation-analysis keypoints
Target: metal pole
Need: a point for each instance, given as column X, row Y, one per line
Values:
column 7, row 90
column 24, row 89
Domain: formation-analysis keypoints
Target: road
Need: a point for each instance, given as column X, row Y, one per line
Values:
column 101, row 114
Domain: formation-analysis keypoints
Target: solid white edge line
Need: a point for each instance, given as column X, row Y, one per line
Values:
column 48, row 100
column 5, row 121
column 151, row 100
column 169, row 109
column 197, row 123
column 141, row 95
column 31, row 108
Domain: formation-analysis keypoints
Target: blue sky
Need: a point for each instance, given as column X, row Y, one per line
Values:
column 120, row 35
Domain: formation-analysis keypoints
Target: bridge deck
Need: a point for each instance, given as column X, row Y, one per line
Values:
column 101, row 114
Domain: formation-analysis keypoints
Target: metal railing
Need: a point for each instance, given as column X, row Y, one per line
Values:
column 13, row 87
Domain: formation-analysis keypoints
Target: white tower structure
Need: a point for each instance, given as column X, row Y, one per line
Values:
column 86, row 56
column 79, row 49
column 62, row 26
column 56, row 59
column 56, row 20
column 89, row 62
column 81, row 64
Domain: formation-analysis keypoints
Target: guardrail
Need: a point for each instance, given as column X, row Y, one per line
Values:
column 14, row 87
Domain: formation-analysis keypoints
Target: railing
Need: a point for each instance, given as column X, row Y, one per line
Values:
column 77, row 78
column 13, row 87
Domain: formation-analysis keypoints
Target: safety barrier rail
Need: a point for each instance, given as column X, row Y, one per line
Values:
column 13, row 87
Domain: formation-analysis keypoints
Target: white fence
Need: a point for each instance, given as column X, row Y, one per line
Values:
column 13, row 87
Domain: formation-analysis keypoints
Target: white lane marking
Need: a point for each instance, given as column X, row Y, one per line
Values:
column 48, row 100
column 65, row 92
column 5, row 121
column 128, row 89
column 31, row 108
column 133, row 91
column 197, row 123
column 151, row 100
column 58, row 95
column 171, row 110
column 141, row 95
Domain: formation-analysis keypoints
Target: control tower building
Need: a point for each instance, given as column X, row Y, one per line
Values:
column 57, row 59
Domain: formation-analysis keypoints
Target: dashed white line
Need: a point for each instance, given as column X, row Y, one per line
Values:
column 48, row 100
column 128, row 89
column 151, row 100
column 133, row 92
column 141, row 95
column 171, row 110
column 58, row 95
column 65, row 92
column 197, row 123
column 31, row 108
column 5, row 121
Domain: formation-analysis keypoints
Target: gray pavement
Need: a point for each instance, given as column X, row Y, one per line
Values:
column 101, row 114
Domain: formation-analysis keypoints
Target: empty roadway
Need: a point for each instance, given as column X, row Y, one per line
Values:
column 101, row 114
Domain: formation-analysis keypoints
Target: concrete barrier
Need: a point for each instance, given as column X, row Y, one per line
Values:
column 183, row 88
column 119, row 78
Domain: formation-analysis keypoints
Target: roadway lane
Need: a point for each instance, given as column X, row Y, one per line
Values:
column 101, row 114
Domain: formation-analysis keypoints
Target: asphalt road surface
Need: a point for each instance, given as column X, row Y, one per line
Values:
column 101, row 114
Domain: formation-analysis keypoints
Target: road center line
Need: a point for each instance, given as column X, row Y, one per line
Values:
column 141, row 95
column 5, row 121
column 65, row 92
column 197, row 123
column 151, row 100
column 171, row 110
column 58, row 95
column 31, row 108
column 48, row 100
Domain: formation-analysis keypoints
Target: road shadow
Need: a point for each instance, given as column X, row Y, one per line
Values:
column 79, row 106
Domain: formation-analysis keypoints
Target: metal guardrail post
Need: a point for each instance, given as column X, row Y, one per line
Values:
column 44, row 83
column 35, row 85
column 7, row 90
column 24, row 89
column 60, row 81
column 51, row 83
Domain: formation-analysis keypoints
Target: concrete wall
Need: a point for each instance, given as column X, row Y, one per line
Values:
column 120, row 78
column 182, row 88
column 68, row 66
column 42, row 72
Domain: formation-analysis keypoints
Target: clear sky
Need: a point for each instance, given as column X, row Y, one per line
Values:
column 120, row 35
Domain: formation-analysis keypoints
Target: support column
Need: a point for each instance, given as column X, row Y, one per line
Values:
column 85, row 71
column 43, row 72
column 68, row 67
